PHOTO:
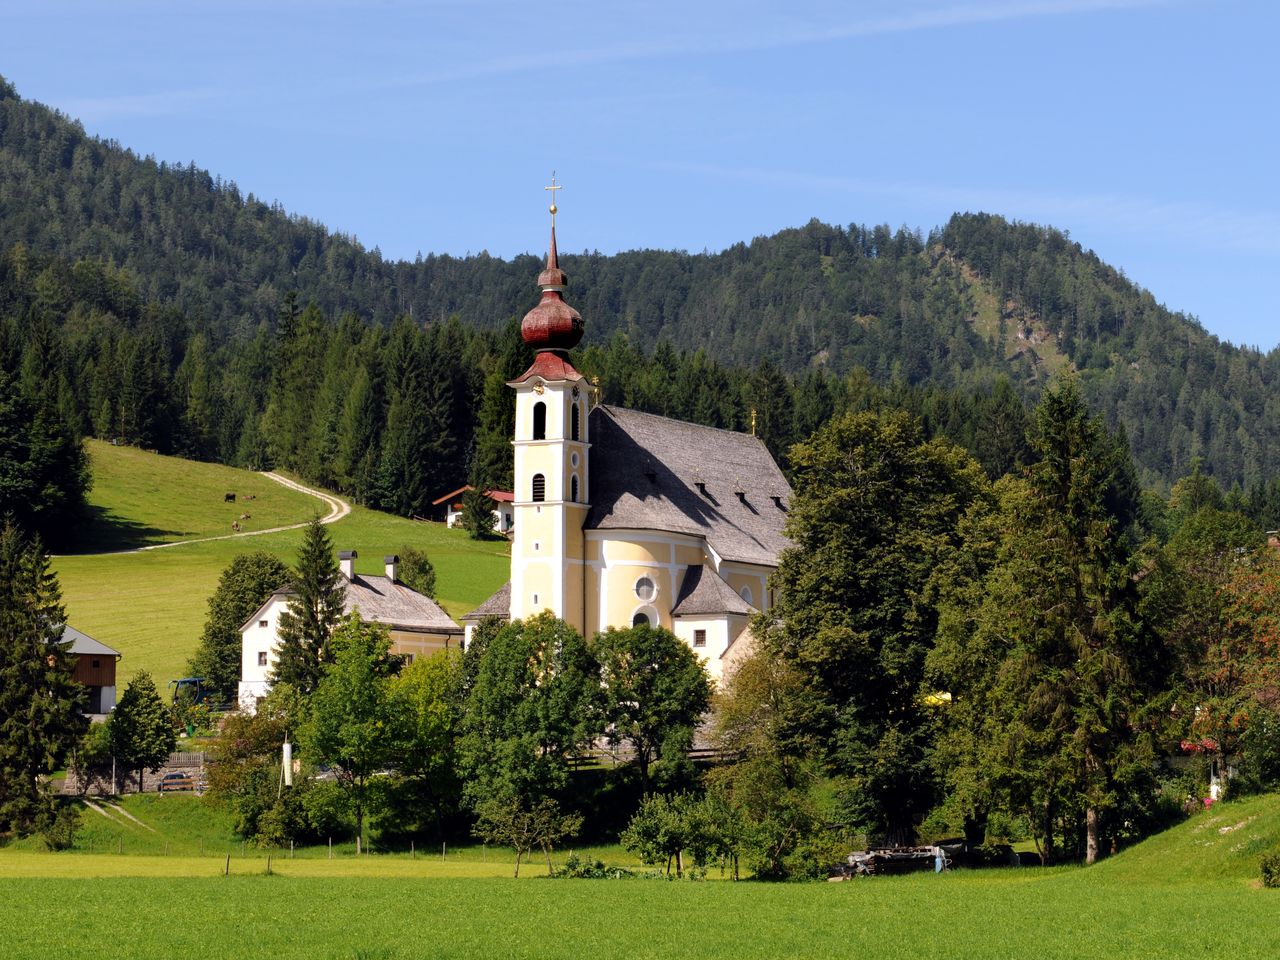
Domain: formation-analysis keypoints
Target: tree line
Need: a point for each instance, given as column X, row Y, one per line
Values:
column 958, row 307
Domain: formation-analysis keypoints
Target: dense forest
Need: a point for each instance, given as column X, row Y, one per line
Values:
column 171, row 309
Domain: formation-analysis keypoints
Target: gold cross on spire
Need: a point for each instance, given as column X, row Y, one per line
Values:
column 553, row 188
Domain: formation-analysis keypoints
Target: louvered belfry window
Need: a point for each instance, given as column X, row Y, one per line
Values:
column 539, row 488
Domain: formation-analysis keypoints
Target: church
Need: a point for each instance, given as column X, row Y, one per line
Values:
column 624, row 517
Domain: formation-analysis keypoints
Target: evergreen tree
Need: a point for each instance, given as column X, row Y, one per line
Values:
column 140, row 730
column 244, row 585
column 314, row 609
column 40, row 704
column 417, row 572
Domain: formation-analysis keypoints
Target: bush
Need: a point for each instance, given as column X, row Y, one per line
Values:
column 59, row 833
column 575, row 868
column 1270, row 867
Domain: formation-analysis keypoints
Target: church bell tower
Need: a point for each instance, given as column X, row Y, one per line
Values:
column 551, row 457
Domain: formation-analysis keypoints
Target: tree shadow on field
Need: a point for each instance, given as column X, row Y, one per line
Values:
column 100, row 531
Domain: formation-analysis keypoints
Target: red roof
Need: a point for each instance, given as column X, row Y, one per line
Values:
column 498, row 496
column 549, row 366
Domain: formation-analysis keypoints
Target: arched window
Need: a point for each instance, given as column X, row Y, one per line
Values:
column 573, row 488
column 640, row 620
column 539, row 488
column 539, row 421
column 574, row 417
column 745, row 594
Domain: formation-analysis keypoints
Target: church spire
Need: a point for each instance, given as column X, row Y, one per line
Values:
column 552, row 325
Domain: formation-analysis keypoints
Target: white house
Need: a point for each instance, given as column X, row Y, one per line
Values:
column 504, row 514
column 417, row 624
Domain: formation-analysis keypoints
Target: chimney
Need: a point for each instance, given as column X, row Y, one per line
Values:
column 393, row 567
column 347, row 563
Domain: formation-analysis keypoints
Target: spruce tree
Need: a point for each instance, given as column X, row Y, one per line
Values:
column 313, row 612
column 40, row 704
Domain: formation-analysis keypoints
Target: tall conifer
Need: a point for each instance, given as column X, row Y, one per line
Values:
column 313, row 612
column 40, row 704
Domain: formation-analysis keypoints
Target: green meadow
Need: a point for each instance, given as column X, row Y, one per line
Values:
column 1190, row 892
column 151, row 605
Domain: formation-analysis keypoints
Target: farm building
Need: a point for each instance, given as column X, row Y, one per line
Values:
column 94, row 669
column 449, row 508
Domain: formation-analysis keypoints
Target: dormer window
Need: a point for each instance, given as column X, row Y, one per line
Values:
column 539, row 421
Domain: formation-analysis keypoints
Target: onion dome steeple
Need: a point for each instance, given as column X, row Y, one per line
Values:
column 552, row 325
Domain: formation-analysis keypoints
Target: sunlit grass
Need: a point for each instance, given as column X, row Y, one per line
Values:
column 151, row 606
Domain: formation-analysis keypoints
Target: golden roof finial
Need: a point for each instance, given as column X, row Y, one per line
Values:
column 553, row 188
column 753, row 421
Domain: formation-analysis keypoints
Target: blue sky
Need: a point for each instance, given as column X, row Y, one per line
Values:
column 1146, row 128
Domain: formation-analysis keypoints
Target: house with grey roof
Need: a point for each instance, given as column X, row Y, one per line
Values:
column 417, row 624
column 94, row 668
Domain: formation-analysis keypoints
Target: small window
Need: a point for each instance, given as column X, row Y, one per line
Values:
column 640, row 620
column 573, row 460
column 262, row 623
column 574, row 417
column 262, row 658
column 539, row 421
column 573, row 488
column 645, row 589
column 535, row 599
column 699, row 638
column 539, row 488
column 745, row 593
column 95, row 664
column 408, row 658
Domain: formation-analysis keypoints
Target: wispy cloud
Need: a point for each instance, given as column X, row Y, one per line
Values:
column 165, row 103
column 755, row 34
column 1159, row 221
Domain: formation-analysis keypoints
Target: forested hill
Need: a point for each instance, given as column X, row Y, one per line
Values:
column 974, row 300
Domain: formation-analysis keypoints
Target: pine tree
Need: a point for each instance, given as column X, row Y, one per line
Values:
column 40, row 717
column 313, row 612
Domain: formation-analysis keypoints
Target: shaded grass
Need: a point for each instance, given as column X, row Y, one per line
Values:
column 139, row 499
column 151, row 606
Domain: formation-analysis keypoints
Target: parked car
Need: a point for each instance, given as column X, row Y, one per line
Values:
column 176, row 781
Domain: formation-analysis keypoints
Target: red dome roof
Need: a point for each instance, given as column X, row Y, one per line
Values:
column 552, row 324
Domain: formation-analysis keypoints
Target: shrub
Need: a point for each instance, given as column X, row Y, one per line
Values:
column 1270, row 866
column 59, row 832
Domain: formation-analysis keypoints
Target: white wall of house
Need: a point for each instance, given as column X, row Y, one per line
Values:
column 258, row 652
column 504, row 517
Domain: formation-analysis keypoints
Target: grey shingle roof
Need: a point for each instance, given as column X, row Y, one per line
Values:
column 498, row 605
column 84, row 645
column 381, row 600
column 703, row 592
column 645, row 472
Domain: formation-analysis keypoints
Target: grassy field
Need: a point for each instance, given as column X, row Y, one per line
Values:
column 1190, row 892
column 151, row 606
column 140, row 499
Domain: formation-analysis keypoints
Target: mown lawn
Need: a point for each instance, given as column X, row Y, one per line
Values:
column 151, row 606
column 1190, row 892
column 1028, row 915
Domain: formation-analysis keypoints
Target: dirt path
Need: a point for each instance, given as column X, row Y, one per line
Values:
column 338, row 508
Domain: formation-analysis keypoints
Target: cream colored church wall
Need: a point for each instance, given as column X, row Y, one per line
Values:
column 618, row 559
column 753, row 577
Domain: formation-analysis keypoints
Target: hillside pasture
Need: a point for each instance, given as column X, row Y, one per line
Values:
column 151, row 605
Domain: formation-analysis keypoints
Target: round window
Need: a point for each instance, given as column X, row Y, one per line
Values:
column 645, row 589
column 573, row 459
